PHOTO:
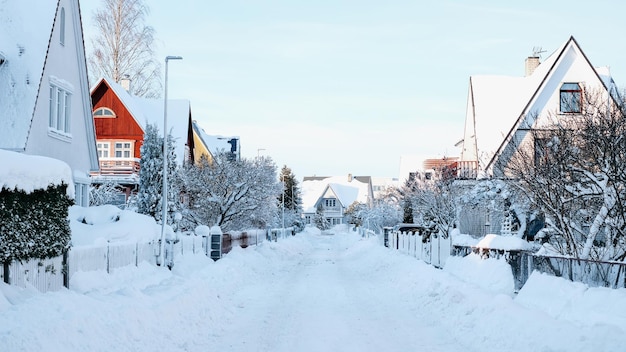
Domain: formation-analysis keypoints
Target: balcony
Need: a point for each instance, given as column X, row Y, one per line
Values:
column 467, row 169
column 119, row 166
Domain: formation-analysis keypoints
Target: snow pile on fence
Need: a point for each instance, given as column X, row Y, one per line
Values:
column 107, row 223
column 30, row 172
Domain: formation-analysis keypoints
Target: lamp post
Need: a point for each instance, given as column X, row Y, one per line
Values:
column 164, row 190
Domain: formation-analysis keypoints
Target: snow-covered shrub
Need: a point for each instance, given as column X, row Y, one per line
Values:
column 35, row 224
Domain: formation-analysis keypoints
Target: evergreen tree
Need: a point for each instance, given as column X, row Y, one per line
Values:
column 149, row 197
column 292, row 198
column 319, row 220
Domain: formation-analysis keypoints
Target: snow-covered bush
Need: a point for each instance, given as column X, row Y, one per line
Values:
column 34, row 225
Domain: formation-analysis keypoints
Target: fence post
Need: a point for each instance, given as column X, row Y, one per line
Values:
column 108, row 257
column 136, row 254
column 65, row 269
column 7, row 273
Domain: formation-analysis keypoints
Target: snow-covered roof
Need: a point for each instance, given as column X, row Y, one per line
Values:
column 31, row 172
column 347, row 192
column 25, row 33
column 150, row 111
column 496, row 104
column 214, row 143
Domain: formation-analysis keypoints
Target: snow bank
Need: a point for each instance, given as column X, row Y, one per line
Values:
column 30, row 172
column 97, row 225
column 491, row 274
column 574, row 301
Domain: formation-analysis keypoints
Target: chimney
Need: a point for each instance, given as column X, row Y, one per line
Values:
column 532, row 62
column 349, row 177
column 125, row 82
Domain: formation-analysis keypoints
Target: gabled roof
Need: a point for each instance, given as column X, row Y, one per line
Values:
column 497, row 105
column 25, row 36
column 150, row 111
column 347, row 192
column 214, row 143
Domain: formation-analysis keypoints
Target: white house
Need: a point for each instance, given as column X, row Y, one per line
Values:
column 502, row 110
column 333, row 195
column 45, row 107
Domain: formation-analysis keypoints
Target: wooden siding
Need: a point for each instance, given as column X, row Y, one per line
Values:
column 123, row 126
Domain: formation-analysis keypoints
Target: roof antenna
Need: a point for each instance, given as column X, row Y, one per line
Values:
column 537, row 51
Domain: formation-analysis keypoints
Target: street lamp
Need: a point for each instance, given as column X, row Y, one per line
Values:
column 164, row 191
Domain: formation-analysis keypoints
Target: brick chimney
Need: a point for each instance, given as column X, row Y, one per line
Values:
column 532, row 62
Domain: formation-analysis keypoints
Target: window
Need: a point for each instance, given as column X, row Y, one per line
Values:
column 62, row 27
column 60, row 109
column 104, row 112
column 571, row 98
column 103, row 150
column 330, row 203
column 123, row 150
column 542, row 151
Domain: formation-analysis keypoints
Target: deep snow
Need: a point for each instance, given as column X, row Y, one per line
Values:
column 314, row 292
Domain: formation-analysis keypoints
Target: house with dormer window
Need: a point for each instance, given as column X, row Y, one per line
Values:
column 45, row 107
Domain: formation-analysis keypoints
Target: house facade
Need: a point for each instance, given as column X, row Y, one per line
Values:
column 503, row 112
column 120, row 121
column 333, row 195
column 47, row 110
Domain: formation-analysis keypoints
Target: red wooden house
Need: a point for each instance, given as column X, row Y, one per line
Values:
column 120, row 120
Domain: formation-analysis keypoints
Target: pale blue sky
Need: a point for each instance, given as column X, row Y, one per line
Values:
column 337, row 87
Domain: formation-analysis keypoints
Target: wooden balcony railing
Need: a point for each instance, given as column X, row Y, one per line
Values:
column 467, row 169
column 119, row 166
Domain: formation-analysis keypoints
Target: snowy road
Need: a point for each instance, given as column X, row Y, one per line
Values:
column 326, row 302
column 307, row 293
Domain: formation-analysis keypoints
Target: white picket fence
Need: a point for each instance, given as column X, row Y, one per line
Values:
column 434, row 251
column 55, row 273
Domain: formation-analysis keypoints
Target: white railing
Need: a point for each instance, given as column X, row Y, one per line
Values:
column 435, row 250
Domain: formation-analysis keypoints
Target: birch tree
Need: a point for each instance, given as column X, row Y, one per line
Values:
column 124, row 47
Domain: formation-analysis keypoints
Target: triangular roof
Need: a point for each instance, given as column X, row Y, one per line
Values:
column 150, row 111
column 213, row 143
column 26, row 32
column 497, row 105
column 347, row 192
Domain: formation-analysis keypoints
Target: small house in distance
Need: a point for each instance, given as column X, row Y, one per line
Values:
column 330, row 197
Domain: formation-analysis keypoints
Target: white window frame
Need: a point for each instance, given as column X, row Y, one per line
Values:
column 102, row 148
column 60, row 114
column 104, row 112
column 62, row 27
column 126, row 147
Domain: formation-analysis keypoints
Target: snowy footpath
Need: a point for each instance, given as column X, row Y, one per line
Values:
column 314, row 292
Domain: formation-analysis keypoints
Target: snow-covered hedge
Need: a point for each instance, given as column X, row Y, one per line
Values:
column 34, row 224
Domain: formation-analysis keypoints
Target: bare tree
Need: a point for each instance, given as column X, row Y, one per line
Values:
column 123, row 47
column 573, row 170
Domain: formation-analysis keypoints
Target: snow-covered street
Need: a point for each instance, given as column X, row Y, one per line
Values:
column 312, row 292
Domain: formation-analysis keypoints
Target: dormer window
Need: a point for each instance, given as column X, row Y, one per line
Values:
column 104, row 112
column 62, row 26
column 571, row 98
